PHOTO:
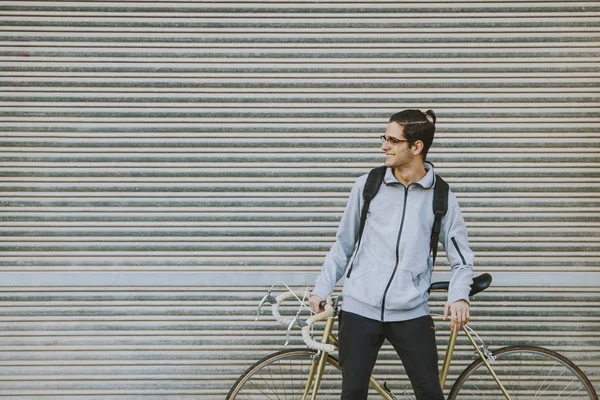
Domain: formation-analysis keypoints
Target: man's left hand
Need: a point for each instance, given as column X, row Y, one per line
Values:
column 459, row 314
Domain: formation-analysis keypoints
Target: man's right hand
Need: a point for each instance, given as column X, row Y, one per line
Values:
column 317, row 304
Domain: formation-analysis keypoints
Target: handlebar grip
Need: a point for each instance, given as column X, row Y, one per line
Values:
column 275, row 307
column 310, row 342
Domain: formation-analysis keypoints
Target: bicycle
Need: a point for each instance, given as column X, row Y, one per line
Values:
column 513, row 372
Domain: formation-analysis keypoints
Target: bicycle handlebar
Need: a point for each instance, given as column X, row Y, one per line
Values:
column 310, row 342
column 480, row 283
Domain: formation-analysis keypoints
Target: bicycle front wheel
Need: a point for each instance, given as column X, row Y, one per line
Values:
column 284, row 375
column 526, row 372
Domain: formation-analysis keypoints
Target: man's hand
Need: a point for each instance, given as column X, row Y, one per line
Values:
column 317, row 304
column 459, row 314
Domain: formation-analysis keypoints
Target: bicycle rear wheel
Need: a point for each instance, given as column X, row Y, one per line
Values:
column 526, row 372
column 283, row 376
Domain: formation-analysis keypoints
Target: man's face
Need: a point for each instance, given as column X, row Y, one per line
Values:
column 397, row 150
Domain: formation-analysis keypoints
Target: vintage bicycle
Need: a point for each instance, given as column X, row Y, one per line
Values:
column 512, row 373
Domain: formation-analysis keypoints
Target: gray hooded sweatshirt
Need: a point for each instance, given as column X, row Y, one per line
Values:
column 391, row 269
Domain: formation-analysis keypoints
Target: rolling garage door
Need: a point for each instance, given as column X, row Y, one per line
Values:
column 163, row 163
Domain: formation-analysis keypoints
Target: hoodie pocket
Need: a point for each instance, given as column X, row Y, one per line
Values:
column 366, row 284
column 404, row 293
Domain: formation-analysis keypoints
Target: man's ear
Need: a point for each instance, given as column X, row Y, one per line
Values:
column 417, row 147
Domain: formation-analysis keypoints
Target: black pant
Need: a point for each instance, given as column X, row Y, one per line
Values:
column 414, row 340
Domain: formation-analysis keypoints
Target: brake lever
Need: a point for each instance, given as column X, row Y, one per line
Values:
column 267, row 299
column 296, row 321
column 287, row 336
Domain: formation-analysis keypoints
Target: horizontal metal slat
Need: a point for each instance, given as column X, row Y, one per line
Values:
column 80, row 77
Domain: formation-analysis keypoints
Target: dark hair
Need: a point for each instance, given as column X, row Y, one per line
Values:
column 417, row 126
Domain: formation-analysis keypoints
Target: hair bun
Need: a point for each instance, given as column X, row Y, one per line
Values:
column 430, row 113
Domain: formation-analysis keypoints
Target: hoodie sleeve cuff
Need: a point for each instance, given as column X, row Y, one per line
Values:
column 321, row 291
column 459, row 294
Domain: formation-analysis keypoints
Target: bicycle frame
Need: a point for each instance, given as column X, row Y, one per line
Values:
column 291, row 366
column 317, row 368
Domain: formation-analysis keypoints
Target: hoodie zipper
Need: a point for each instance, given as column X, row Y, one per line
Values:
column 397, row 254
column 462, row 258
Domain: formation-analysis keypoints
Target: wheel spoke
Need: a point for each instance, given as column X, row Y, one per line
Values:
column 542, row 389
column 545, row 380
column 284, row 376
column 259, row 388
column 476, row 388
column 526, row 373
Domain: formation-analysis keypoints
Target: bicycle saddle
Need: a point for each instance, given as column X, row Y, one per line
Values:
column 480, row 283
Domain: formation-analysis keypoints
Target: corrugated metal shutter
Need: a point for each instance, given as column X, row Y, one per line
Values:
column 153, row 150
column 191, row 342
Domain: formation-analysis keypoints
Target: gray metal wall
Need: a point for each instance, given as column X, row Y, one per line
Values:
column 164, row 162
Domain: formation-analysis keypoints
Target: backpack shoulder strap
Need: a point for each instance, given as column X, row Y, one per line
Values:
column 440, row 207
column 373, row 182
column 371, row 188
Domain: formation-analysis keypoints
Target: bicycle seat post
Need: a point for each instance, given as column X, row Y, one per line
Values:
column 448, row 357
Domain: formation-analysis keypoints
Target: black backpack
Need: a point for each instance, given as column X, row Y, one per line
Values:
column 440, row 207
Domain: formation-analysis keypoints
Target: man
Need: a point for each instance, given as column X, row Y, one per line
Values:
column 389, row 272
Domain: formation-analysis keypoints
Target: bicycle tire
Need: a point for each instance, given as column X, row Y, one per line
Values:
column 283, row 375
column 527, row 372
